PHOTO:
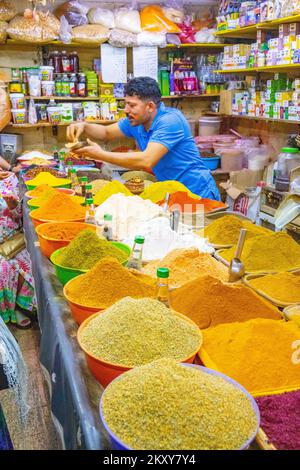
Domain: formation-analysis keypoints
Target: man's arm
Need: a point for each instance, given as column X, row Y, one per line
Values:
column 94, row 131
column 133, row 160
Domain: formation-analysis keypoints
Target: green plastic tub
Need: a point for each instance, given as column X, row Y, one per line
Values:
column 67, row 186
column 65, row 274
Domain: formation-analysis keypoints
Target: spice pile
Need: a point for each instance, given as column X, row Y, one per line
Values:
column 106, row 283
column 33, row 172
column 280, row 419
column 64, row 231
column 60, row 207
column 186, row 265
column 40, row 190
column 168, row 406
column 86, row 249
column 97, row 185
column 284, row 287
column 209, row 302
column 156, row 192
column 133, row 332
column 127, row 212
column 259, row 354
column 160, row 239
column 108, row 190
column 49, row 179
column 226, row 230
column 182, row 201
column 274, row 252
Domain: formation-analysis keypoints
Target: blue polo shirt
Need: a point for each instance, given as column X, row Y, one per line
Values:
column 182, row 161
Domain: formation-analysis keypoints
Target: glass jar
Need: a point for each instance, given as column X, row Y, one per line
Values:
column 288, row 159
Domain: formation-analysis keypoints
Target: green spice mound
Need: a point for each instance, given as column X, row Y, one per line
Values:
column 86, row 249
column 164, row 405
column 133, row 332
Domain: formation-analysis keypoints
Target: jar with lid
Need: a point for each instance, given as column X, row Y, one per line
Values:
column 66, row 64
column 82, row 89
column 55, row 60
column 73, row 85
column 74, row 62
column 288, row 159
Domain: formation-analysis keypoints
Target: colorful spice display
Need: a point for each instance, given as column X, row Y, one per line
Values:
column 60, row 207
column 260, row 354
column 280, row 419
column 209, row 302
column 113, row 187
column 49, row 179
column 168, row 406
column 134, row 332
column 106, row 283
column 274, row 252
column 226, row 230
column 186, row 265
column 65, row 231
column 285, row 287
column 34, row 172
column 156, row 192
column 97, row 185
column 182, row 201
column 86, row 249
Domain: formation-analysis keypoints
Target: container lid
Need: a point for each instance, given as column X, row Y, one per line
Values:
column 139, row 239
column 88, row 186
column 73, row 170
column 108, row 217
column 289, row 150
column 69, row 162
column 90, row 200
column 163, row 273
column 84, row 179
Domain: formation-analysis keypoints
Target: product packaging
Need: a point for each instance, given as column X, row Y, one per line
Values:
column 102, row 16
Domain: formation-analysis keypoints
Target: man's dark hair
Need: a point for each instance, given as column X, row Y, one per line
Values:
column 145, row 88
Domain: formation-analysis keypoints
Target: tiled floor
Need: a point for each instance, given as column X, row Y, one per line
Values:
column 39, row 432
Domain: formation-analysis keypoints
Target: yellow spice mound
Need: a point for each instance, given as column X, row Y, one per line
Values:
column 60, row 207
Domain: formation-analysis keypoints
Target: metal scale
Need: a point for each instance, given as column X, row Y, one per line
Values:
column 11, row 146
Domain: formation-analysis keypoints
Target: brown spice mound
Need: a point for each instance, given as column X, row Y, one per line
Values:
column 186, row 265
column 209, row 302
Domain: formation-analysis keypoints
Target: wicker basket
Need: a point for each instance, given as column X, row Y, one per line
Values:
column 135, row 188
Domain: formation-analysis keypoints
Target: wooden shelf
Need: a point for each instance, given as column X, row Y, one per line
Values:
column 176, row 97
column 47, row 124
column 69, row 98
column 254, row 118
column 267, row 69
column 252, row 30
column 13, row 42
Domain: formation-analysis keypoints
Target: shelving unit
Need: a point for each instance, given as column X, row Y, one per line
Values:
column 254, row 118
column 48, row 124
column 69, row 98
column 247, row 30
column 270, row 68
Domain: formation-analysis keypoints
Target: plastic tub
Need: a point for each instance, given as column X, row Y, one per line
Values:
column 232, row 159
column 46, row 72
column 209, row 126
column 117, row 444
column 105, row 372
column 17, row 101
column 80, row 313
column 211, row 163
column 70, row 192
column 36, row 222
column 48, row 245
column 30, row 186
column 258, row 158
column 19, row 116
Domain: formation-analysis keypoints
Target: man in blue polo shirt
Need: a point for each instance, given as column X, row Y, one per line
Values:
column 163, row 137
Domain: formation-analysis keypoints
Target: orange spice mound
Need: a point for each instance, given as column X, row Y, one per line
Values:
column 186, row 203
column 186, row 265
column 39, row 191
column 60, row 207
column 209, row 302
column 68, row 231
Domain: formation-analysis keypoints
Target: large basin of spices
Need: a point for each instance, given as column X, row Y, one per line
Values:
column 50, row 243
column 117, row 443
column 289, row 285
column 80, row 313
column 105, row 372
column 36, row 222
column 65, row 274
column 69, row 192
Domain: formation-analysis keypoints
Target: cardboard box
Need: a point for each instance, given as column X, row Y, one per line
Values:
column 283, row 30
column 226, row 98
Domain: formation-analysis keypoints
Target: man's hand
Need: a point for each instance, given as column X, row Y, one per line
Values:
column 11, row 201
column 4, row 175
column 92, row 152
column 74, row 131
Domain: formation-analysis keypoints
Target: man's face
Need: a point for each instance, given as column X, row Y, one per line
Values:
column 138, row 111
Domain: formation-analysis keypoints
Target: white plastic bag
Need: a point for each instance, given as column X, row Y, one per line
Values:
column 121, row 38
column 32, row 115
column 128, row 19
column 102, row 16
column 151, row 39
column 74, row 11
column 65, row 32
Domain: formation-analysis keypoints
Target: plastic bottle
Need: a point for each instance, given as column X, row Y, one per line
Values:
column 74, row 180
column 88, row 192
column 62, row 168
column 165, row 88
column 90, row 212
column 58, row 85
column 73, row 85
column 55, row 154
column 69, row 168
column 74, row 62
column 55, row 60
column 162, row 292
column 82, row 89
column 65, row 85
column 107, row 228
column 136, row 257
column 66, row 64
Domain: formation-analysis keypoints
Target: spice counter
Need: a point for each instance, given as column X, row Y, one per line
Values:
column 76, row 416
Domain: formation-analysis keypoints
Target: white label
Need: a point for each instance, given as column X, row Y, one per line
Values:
column 114, row 64
column 145, row 62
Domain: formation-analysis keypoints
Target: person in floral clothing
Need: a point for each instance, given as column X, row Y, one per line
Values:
column 16, row 280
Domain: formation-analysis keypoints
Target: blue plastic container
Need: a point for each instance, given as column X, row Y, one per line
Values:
column 117, row 444
column 211, row 163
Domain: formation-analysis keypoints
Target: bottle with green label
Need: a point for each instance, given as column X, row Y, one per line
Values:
column 162, row 291
column 136, row 258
